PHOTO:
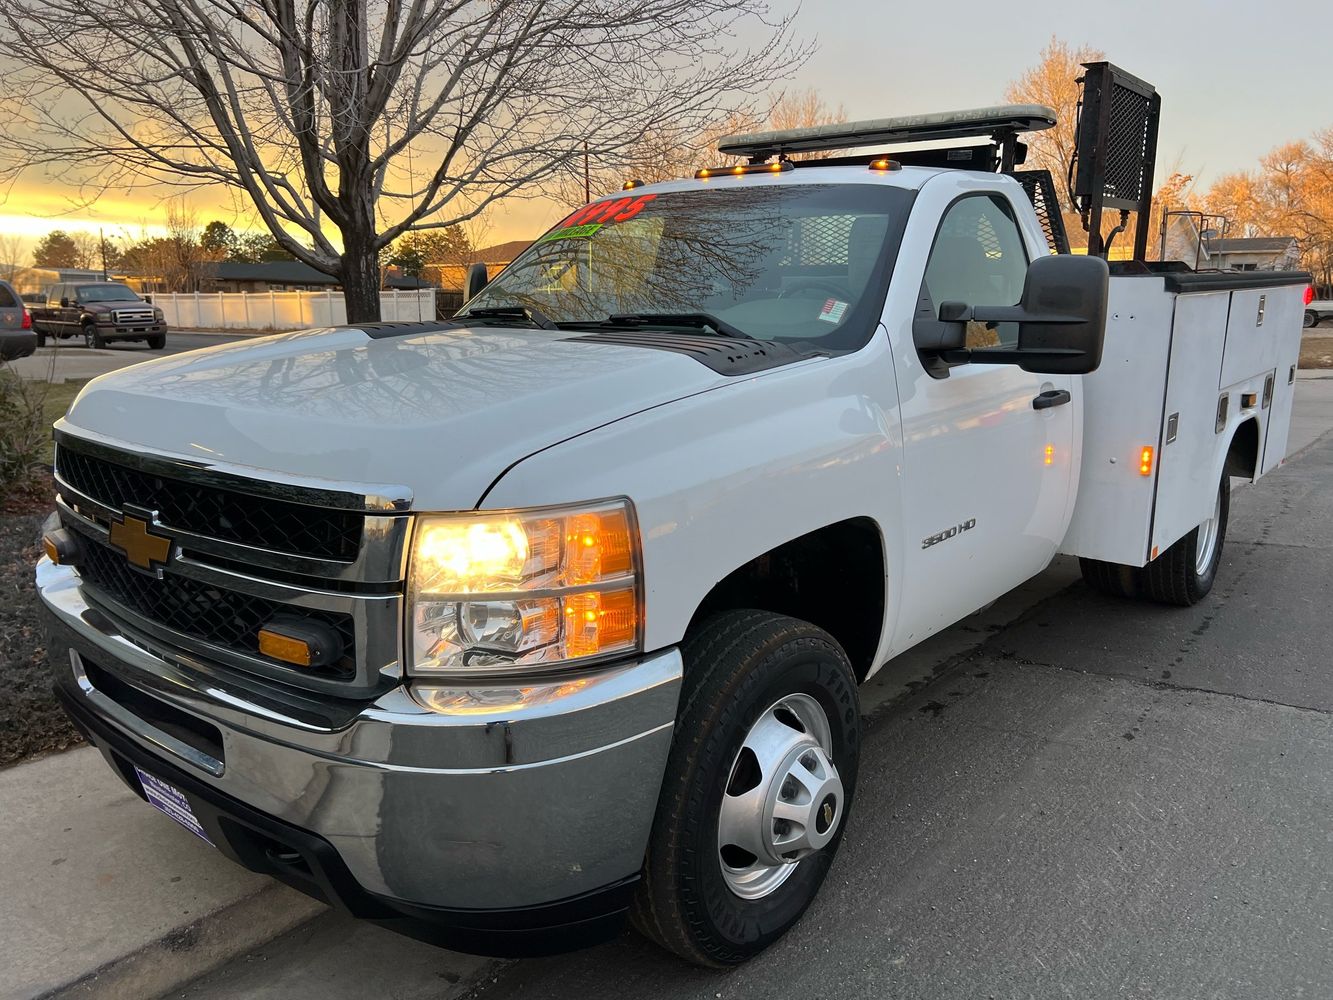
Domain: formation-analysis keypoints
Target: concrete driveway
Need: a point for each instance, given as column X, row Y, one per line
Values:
column 1066, row 796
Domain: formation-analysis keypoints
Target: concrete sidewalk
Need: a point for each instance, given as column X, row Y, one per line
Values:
column 104, row 896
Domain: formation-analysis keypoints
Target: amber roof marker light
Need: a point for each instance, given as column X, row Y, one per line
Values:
column 740, row 169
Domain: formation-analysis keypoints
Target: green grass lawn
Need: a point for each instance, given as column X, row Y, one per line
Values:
column 58, row 397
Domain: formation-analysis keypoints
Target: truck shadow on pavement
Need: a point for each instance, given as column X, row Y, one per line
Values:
column 1107, row 798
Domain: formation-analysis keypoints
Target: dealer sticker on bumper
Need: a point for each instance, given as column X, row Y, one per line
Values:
column 170, row 801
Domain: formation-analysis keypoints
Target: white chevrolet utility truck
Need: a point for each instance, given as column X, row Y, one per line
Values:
column 502, row 629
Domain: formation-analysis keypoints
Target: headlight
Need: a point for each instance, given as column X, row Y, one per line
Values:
column 495, row 592
column 158, row 313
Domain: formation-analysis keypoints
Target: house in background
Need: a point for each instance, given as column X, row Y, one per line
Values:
column 285, row 276
column 451, row 277
column 1253, row 253
column 1208, row 252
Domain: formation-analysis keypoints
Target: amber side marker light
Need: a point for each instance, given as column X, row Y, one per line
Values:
column 303, row 643
column 1050, row 454
column 1145, row 461
column 60, row 547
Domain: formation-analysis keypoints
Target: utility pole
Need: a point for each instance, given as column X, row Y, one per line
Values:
column 101, row 243
column 587, row 182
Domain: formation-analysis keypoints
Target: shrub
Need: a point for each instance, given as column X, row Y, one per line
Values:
column 23, row 430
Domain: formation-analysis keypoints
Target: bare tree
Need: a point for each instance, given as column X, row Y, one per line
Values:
column 805, row 109
column 88, row 250
column 1053, row 82
column 671, row 154
column 12, row 253
column 350, row 122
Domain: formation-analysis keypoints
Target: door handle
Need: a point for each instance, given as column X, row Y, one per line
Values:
column 1051, row 397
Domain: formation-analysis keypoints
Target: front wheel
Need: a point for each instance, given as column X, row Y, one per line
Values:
column 91, row 338
column 1185, row 573
column 758, row 787
column 157, row 341
column 41, row 337
column 1310, row 319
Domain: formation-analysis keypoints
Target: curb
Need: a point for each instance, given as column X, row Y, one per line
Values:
column 187, row 952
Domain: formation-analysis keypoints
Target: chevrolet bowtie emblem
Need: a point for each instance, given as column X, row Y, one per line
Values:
column 141, row 547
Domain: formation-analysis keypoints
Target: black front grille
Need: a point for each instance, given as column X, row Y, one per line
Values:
column 229, row 515
column 214, row 614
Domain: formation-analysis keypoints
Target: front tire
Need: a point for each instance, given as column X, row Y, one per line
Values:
column 157, row 341
column 758, row 787
column 91, row 338
column 1310, row 319
column 1185, row 573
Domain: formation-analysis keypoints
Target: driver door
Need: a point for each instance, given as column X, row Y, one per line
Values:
column 987, row 484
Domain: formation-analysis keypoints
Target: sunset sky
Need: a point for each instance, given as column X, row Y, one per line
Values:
column 1237, row 78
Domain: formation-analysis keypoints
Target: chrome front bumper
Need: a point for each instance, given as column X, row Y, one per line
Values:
column 471, row 798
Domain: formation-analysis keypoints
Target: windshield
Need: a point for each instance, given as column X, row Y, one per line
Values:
column 787, row 262
column 106, row 292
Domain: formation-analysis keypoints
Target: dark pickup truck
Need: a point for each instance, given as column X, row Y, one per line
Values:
column 99, row 312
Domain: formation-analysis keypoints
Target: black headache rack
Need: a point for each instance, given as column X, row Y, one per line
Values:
column 1115, row 153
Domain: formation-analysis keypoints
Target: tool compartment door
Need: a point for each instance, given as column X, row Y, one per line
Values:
column 1188, row 459
column 1122, row 413
column 1285, row 311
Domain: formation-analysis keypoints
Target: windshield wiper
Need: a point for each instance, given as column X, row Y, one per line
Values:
column 511, row 313
column 694, row 320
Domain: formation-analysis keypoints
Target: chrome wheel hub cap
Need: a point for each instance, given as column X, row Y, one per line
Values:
column 1207, row 543
column 783, row 800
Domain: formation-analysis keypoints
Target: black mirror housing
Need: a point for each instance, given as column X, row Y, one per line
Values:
column 477, row 279
column 1061, row 318
column 1066, row 298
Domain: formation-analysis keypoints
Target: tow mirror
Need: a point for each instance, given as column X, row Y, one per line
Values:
column 477, row 279
column 1061, row 320
column 64, row 303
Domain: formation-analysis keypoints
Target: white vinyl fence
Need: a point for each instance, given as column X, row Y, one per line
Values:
column 282, row 310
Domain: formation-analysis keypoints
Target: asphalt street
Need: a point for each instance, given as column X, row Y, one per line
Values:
column 1101, row 798
column 69, row 359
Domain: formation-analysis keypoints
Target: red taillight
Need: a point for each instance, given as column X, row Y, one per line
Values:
column 27, row 321
column 1309, row 294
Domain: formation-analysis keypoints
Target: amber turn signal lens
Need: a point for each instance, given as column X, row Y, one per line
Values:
column 284, row 647
column 598, row 545
column 61, row 547
column 1145, row 461
column 600, row 622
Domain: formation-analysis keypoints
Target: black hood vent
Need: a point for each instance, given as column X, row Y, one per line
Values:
column 725, row 355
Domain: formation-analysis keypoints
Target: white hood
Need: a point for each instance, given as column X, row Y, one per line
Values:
column 443, row 413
